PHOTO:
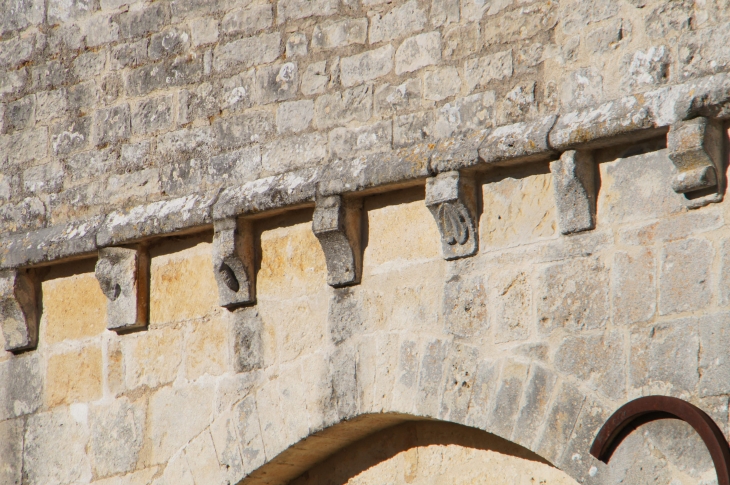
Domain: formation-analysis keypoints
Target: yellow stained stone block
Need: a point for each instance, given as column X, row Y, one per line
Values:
column 73, row 305
column 400, row 228
column 182, row 284
column 206, row 348
column 74, row 376
column 152, row 358
column 517, row 211
column 292, row 261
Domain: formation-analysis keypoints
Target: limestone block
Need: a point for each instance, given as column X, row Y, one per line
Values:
column 696, row 147
column 11, row 451
column 296, row 45
column 451, row 198
column 54, row 448
column 714, row 364
column 560, row 422
column 299, row 9
column 123, row 275
column 21, row 379
column 367, row 66
column 340, row 33
column 511, row 299
column 74, row 306
column 418, row 51
column 249, row 433
column 233, row 260
column 334, row 110
column 405, row 387
column 346, row 315
column 152, row 358
column 506, row 402
column 536, row 399
column 405, row 97
column 464, row 309
column 203, row 461
column 226, row 443
column 597, row 360
column 575, row 191
column 117, row 431
column 431, row 377
column 664, row 358
column 248, row 21
column 247, row 52
column 206, row 348
column 152, row 115
column 634, row 286
column 246, row 340
column 485, row 388
column 277, row 82
column 112, row 125
column 295, row 152
column 19, row 309
column 481, row 71
column 294, row 116
column 460, row 371
column 685, row 276
column 576, row 459
column 74, row 376
column 399, row 21
column 336, row 223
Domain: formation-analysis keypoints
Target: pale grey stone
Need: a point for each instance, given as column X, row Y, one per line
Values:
column 346, row 316
column 573, row 295
column 20, row 309
column 390, row 100
column 20, row 114
column 277, row 82
column 724, row 283
column 634, row 286
column 606, row 37
column 665, row 358
column 248, row 20
column 483, row 70
column 16, row 51
column 233, row 262
column 89, row 64
column 43, row 178
column 167, row 43
column 296, row 45
column 574, row 177
column 431, row 378
column 101, row 30
column 413, row 128
column 367, row 66
column 714, row 364
column 20, row 14
column 28, row 145
column 295, row 152
column 460, row 41
column 247, row 52
column 597, row 360
column 646, row 68
column 355, row 104
column 315, row 78
column 299, row 9
column 249, row 432
column 576, row 459
column 152, row 115
column 112, row 125
column 129, row 54
column 578, row 15
column 12, row 82
column 398, row 22
column 582, row 88
column 464, row 306
column 54, row 448
column 237, row 92
column 294, row 116
column 418, row 51
column 200, row 103
column 672, row 228
column 464, row 115
column 21, row 378
column 444, row 12
column 247, row 334
column 49, row 105
column 460, row 372
column 701, row 51
column 519, row 104
column 451, row 198
column 117, row 434
column 485, row 388
column 685, row 277
column 123, row 275
column 536, row 398
column 204, row 31
column 506, row 402
column 511, row 299
column 668, row 18
column 514, row 25
column 136, row 23
column 346, row 142
column 560, row 422
column 519, row 141
column 11, row 451
column 336, row 224
column 244, row 129
column 340, row 33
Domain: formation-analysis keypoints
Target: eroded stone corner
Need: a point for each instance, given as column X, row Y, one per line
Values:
column 123, row 274
column 233, row 262
column 574, row 184
column 19, row 309
column 451, row 197
column 337, row 225
column 696, row 148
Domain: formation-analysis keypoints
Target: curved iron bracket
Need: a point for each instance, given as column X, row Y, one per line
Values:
column 651, row 408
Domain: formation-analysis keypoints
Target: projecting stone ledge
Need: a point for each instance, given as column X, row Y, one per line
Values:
column 451, row 198
column 575, row 191
column 123, row 275
column 233, row 262
column 337, row 225
column 19, row 309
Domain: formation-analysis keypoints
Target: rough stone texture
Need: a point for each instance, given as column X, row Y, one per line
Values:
column 451, row 198
column 233, row 260
column 19, row 309
column 123, row 275
column 575, row 191
column 685, row 276
column 336, row 223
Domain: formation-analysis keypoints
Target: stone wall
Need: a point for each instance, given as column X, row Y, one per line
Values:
column 237, row 237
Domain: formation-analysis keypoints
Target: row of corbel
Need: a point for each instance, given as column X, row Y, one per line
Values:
column 695, row 146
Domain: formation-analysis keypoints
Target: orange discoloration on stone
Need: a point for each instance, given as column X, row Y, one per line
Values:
column 73, row 308
column 74, row 376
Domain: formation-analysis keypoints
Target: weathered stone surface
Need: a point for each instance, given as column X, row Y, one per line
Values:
column 74, row 376
column 296, row 45
column 520, row 141
column 564, row 412
column 465, row 310
column 367, row 66
column 482, row 71
column 19, row 309
column 441, row 83
column 597, row 360
column 511, row 298
column 573, row 295
column 233, row 262
column 22, row 381
column 417, row 52
column 117, row 432
column 248, row 21
column 112, row 125
column 634, row 286
column 375, row 138
column 123, row 275
column 11, row 451
column 714, row 333
column 685, row 278
column 152, row 358
column 152, row 115
column 299, row 9
column 246, row 340
column 538, row 390
column 664, row 358
column 294, row 116
column 340, row 33
column 451, row 198
column 575, row 191
column 506, row 402
column 247, row 52
column 336, row 223
column 277, row 82
column 397, row 22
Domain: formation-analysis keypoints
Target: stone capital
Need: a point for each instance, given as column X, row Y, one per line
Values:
column 337, row 224
column 451, row 198
column 233, row 262
column 123, row 274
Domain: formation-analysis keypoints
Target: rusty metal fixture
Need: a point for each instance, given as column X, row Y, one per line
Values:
column 651, row 408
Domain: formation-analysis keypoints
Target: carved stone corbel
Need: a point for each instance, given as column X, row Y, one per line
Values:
column 233, row 262
column 574, row 184
column 696, row 146
column 123, row 274
column 451, row 198
column 19, row 309
column 336, row 223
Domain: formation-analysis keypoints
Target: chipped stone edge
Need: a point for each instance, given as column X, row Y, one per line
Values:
column 628, row 119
